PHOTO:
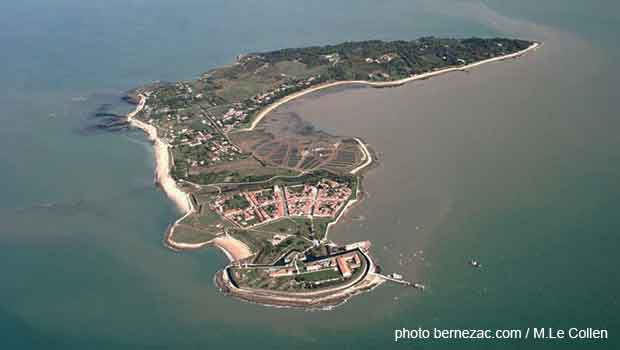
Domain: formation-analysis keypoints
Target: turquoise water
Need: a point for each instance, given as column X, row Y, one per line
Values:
column 515, row 164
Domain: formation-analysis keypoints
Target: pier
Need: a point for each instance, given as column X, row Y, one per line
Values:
column 400, row 281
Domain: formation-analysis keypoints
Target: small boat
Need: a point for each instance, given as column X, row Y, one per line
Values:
column 396, row 276
column 475, row 263
column 419, row 286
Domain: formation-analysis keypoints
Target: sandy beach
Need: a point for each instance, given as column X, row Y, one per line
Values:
column 263, row 113
column 162, row 155
column 162, row 161
column 367, row 156
column 233, row 248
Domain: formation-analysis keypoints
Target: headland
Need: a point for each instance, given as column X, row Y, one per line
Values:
column 266, row 189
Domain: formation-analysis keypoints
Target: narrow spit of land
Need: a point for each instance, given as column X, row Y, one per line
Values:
column 393, row 83
column 268, row 199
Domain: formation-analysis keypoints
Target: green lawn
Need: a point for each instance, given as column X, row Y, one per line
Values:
column 319, row 275
column 256, row 241
column 189, row 234
column 296, row 226
column 269, row 254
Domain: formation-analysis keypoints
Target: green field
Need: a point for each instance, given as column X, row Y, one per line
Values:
column 189, row 234
column 235, row 161
column 270, row 254
column 322, row 275
column 293, row 226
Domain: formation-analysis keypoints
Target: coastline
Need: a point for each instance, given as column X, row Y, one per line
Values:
column 233, row 249
column 264, row 112
column 367, row 155
column 162, row 156
column 314, row 300
column 162, row 161
column 367, row 162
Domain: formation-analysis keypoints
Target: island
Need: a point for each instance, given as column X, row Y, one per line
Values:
column 266, row 188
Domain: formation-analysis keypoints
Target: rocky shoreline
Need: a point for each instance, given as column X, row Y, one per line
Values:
column 326, row 302
column 313, row 300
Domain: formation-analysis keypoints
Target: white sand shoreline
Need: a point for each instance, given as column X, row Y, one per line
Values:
column 162, row 162
column 233, row 248
column 263, row 113
column 367, row 156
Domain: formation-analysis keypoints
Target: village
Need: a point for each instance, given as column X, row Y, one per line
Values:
column 248, row 209
column 242, row 112
column 191, row 132
column 267, row 194
column 197, row 126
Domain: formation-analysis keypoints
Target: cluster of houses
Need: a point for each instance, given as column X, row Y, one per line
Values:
column 324, row 199
column 331, row 197
column 239, row 113
column 332, row 58
column 247, row 209
column 383, row 59
column 300, row 199
column 234, row 116
column 285, row 89
column 211, row 146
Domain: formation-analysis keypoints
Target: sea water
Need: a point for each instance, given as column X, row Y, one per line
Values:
column 514, row 164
